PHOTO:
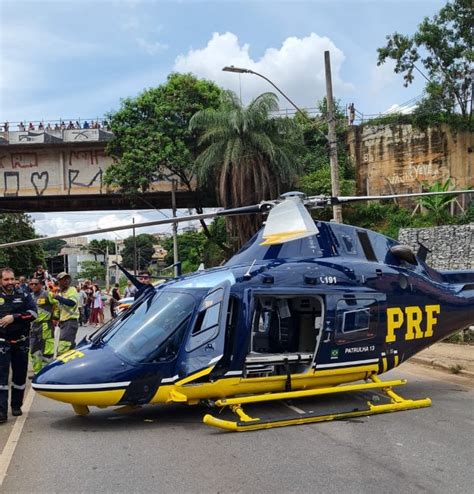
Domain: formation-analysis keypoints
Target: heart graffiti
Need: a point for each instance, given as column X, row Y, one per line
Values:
column 40, row 182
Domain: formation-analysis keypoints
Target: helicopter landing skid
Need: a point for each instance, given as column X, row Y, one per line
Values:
column 247, row 423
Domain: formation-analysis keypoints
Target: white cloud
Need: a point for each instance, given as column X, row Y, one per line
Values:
column 23, row 64
column 47, row 224
column 296, row 67
column 383, row 78
column 152, row 48
column 403, row 109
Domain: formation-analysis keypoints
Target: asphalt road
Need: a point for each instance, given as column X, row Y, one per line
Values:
column 167, row 449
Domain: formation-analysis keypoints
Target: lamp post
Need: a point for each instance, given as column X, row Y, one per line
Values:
column 331, row 138
column 240, row 70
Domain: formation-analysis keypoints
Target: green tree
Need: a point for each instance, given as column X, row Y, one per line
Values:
column 191, row 246
column 251, row 154
column 99, row 247
column 443, row 46
column 151, row 135
column 316, row 177
column 92, row 270
column 195, row 248
column 437, row 206
column 22, row 259
column 145, row 251
column 53, row 247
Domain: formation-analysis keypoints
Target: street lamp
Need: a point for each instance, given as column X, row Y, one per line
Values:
column 331, row 138
column 240, row 70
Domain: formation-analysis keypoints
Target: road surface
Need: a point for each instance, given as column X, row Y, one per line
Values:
column 167, row 449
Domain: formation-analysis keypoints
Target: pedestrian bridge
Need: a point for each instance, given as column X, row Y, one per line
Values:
column 63, row 170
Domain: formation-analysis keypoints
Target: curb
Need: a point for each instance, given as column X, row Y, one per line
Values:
column 437, row 364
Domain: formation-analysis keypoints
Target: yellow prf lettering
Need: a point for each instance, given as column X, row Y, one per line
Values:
column 414, row 318
column 395, row 320
column 71, row 355
column 430, row 319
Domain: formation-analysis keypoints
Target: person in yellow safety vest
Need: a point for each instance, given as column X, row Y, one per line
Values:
column 42, row 328
column 68, row 299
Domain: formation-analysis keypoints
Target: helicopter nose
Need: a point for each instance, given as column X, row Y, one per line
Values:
column 85, row 376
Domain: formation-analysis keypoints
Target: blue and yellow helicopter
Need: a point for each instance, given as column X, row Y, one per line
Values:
column 305, row 308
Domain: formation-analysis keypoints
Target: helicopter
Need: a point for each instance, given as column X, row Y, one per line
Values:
column 306, row 308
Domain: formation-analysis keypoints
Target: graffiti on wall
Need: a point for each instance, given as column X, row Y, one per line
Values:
column 52, row 172
column 416, row 173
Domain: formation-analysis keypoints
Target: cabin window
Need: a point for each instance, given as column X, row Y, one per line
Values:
column 348, row 244
column 206, row 327
column 356, row 319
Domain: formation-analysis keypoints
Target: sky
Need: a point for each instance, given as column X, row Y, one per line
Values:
column 76, row 59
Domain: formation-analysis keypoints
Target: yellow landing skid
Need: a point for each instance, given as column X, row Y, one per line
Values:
column 247, row 423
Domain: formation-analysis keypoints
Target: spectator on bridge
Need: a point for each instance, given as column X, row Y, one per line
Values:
column 62, row 126
column 48, row 127
column 86, row 125
column 41, row 126
column 56, row 126
column 351, row 113
column 70, row 125
column 78, row 124
column 6, row 126
column 21, row 127
column 31, row 126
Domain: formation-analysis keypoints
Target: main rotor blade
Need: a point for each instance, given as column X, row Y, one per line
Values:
column 257, row 208
column 321, row 200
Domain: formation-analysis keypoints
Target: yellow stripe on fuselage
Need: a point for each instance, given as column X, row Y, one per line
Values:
column 222, row 388
column 105, row 398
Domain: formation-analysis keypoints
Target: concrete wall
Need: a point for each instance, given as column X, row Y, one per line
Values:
column 452, row 247
column 398, row 158
column 51, row 163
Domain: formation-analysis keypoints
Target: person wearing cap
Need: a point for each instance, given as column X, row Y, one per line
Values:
column 17, row 310
column 42, row 329
column 68, row 299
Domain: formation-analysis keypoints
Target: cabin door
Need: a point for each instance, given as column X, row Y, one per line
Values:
column 205, row 344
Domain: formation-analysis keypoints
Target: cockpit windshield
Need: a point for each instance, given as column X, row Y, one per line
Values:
column 154, row 330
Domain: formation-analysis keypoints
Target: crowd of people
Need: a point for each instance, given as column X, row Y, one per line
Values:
column 39, row 320
column 61, row 125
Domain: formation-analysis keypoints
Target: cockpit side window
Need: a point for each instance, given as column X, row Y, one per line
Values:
column 206, row 327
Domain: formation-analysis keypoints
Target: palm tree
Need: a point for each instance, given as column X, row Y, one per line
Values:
column 250, row 155
column 438, row 205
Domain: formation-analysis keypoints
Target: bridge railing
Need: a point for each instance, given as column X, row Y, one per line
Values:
column 54, row 136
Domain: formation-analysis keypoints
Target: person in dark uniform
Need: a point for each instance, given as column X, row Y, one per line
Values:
column 17, row 310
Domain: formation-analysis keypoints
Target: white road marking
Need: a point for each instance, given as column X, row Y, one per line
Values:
column 295, row 409
column 13, row 439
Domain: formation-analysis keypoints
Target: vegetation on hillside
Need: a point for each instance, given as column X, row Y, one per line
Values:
column 22, row 259
column 441, row 51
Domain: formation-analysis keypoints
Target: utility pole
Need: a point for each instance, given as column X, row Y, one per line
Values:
column 107, row 277
column 134, row 250
column 116, row 261
column 336, row 209
column 175, row 226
